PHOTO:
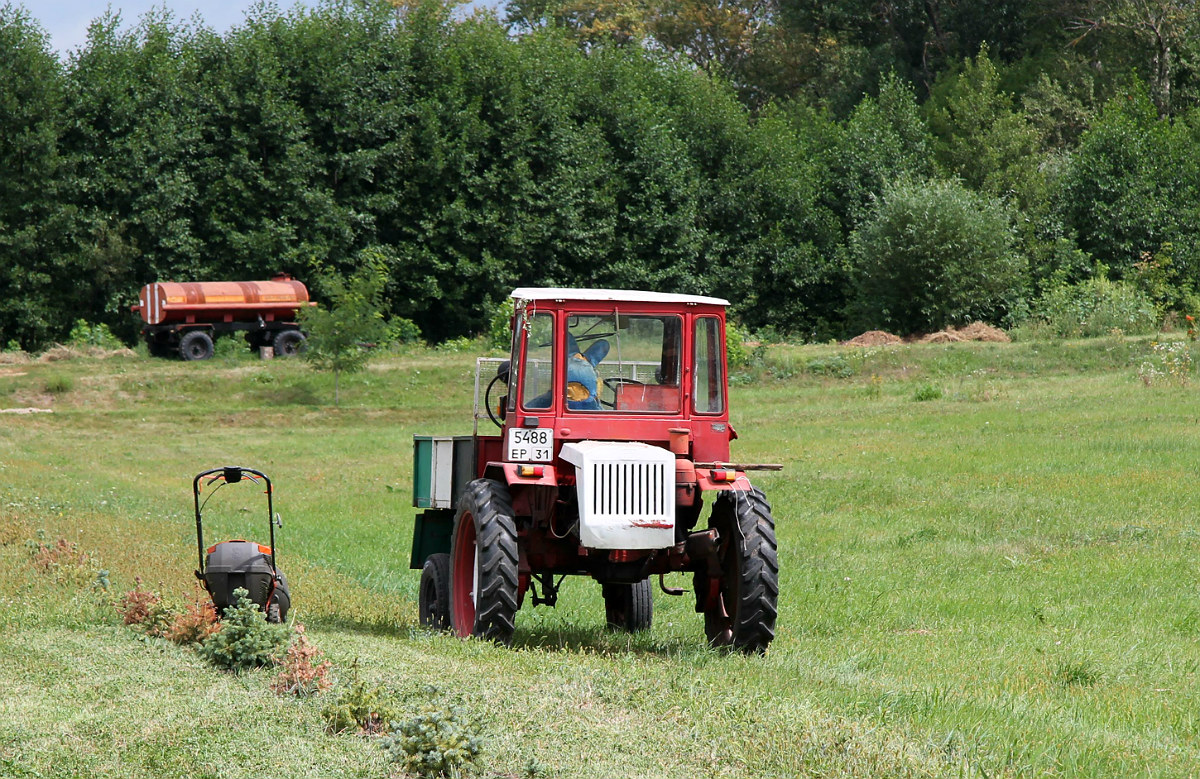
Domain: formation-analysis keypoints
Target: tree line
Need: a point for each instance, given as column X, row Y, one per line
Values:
column 828, row 167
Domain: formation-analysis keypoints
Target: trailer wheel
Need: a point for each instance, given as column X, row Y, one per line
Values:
column 433, row 598
column 629, row 607
column 289, row 343
column 196, row 345
column 483, row 564
column 740, row 609
column 273, row 615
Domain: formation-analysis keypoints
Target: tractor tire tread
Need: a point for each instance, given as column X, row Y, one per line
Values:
column 755, row 613
column 496, row 546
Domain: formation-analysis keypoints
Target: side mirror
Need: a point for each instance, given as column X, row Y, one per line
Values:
column 502, row 370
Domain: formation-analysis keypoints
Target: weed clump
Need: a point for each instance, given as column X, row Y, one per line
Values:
column 193, row 625
column 439, row 741
column 144, row 610
column 360, row 708
column 61, row 559
column 245, row 640
column 1076, row 673
column 304, row 671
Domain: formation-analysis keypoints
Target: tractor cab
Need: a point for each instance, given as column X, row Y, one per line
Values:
column 612, row 427
column 615, row 366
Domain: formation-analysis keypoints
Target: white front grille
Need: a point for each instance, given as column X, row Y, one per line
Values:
column 626, row 494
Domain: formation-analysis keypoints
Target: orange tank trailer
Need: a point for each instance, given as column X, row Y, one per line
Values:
column 185, row 318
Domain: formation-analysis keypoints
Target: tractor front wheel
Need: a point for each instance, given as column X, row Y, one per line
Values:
column 483, row 564
column 740, row 608
column 434, row 596
column 629, row 607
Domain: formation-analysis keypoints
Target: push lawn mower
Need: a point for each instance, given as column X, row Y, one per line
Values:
column 229, row 565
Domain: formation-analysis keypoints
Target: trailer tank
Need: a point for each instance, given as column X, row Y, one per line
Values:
column 184, row 318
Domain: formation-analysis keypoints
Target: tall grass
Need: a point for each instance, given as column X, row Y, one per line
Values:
column 997, row 581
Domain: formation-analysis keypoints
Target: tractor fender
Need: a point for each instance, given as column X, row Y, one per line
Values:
column 532, row 495
column 707, row 483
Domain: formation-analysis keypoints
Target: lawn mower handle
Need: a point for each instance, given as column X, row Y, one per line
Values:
column 232, row 474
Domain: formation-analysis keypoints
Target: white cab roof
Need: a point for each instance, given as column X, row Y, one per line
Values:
column 616, row 295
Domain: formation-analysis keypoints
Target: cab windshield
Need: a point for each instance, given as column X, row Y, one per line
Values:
column 623, row 362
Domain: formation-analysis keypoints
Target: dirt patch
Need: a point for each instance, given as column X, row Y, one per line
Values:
column 874, row 338
column 13, row 358
column 976, row 331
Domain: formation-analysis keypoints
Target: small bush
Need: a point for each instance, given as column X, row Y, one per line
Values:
column 401, row 331
column 439, row 741
column 144, row 610
column 59, row 385
column 245, row 640
column 304, row 672
column 194, row 624
column 84, row 334
column 835, row 366
column 925, row 392
column 360, row 707
column 1094, row 308
column 231, row 349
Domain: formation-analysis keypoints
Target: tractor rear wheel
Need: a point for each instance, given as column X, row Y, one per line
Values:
column 434, row 596
column 483, row 564
column 740, row 608
column 196, row 345
column 629, row 607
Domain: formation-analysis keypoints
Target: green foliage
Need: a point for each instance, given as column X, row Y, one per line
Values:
column 1093, row 308
column 934, row 254
column 834, row 366
column 926, row 391
column 245, row 639
column 85, row 334
column 360, row 707
column 737, row 352
column 981, row 137
column 344, row 337
column 402, row 331
column 500, row 326
column 439, row 741
column 59, row 384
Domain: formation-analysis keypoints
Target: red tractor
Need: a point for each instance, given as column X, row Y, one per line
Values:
column 614, row 425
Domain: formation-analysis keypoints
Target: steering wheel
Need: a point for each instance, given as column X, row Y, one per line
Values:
column 613, row 382
column 487, row 397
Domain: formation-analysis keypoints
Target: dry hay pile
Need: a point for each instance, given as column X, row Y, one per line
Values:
column 874, row 338
column 13, row 358
column 59, row 352
column 976, row 331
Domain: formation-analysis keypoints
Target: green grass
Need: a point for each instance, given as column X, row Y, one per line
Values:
column 1001, row 580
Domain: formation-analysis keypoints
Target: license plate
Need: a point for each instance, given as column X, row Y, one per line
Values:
column 530, row 445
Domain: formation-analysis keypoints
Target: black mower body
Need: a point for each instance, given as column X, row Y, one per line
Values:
column 230, row 565
column 233, row 564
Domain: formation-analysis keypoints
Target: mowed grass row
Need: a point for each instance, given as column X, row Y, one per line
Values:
column 998, row 581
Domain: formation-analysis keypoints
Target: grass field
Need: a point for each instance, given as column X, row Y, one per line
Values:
column 988, row 568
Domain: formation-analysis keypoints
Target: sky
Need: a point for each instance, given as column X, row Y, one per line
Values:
column 67, row 20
